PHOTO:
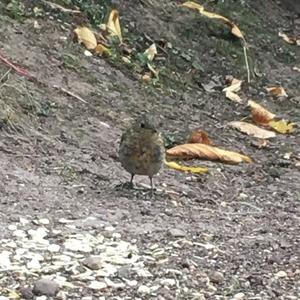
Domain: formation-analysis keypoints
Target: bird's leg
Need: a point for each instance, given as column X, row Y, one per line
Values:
column 131, row 179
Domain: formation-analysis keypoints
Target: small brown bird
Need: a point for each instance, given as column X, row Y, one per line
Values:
column 142, row 150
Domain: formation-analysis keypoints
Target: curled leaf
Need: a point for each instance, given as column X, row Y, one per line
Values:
column 230, row 91
column 113, row 25
column 277, row 91
column 252, row 130
column 282, row 126
column 259, row 114
column 151, row 52
column 102, row 50
column 178, row 167
column 199, row 136
column 201, row 151
column 234, row 29
column 289, row 39
column 86, row 37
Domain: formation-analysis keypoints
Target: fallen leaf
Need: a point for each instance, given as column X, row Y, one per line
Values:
column 260, row 143
column 259, row 114
column 113, row 25
column 190, row 151
column 86, row 37
column 154, row 72
column 230, row 91
column 199, row 136
column 151, row 52
column 282, row 126
column 252, row 130
column 277, row 91
column 176, row 166
column 102, row 50
column 289, row 39
column 234, row 29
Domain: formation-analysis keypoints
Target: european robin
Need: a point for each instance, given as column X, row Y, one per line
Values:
column 142, row 150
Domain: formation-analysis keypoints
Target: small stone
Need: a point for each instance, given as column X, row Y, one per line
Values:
column 53, row 248
column 93, row 262
column 168, row 282
column 87, row 298
column 12, row 227
column 239, row 296
column 3, row 298
column 97, row 285
column 281, row 274
column 26, row 293
column 44, row 221
column 143, row 289
column 216, row 277
column 45, row 287
column 33, row 264
column 174, row 232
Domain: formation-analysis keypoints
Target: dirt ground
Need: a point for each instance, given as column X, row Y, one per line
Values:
column 229, row 234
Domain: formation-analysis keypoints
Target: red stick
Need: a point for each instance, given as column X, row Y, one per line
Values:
column 19, row 70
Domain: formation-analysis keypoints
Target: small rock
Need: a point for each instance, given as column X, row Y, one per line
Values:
column 93, row 262
column 26, row 293
column 97, row 285
column 239, row 296
column 143, row 289
column 216, row 277
column 45, row 287
column 174, row 232
column 44, row 221
column 53, row 248
column 3, row 298
column 168, row 282
column 12, row 227
column 87, row 298
column 281, row 274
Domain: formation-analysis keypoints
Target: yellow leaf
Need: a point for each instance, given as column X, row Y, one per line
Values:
column 151, row 52
column 230, row 90
column 282, row 126
column 102, row 50
column 195, row 170
column 252, row 130
column 289, row 39
column 259, row 114
column 202, row 151
column 113, row 25
column 86, row 37
column 277, row 91
column 234, row 29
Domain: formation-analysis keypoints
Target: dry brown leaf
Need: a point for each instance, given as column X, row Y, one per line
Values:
column 86, row 37
column 113, row 25
column 189, row 151
column 277, row 91
column 151, row 52
column 178, row 167
column 199, row 136
column 259, row 114
column 230, row 91
column 252, row 130
column 289, row 39
column 102, row 50
column 282, row 126
column 234, row 29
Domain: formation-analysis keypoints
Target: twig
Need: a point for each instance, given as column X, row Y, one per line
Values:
column 61, row 8
column 70, row 93
column 5, row 74
column 246, row 62
column 19, row 70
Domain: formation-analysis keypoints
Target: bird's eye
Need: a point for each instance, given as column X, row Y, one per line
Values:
column 142, row 125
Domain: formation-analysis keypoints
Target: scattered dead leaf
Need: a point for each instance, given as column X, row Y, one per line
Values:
column 86, row 37
column 282, row 126
column 102, row 50
column 190, row 151
column 252, row 130
column 289, row 39
column 260, row 143
column 277, row 91
column 113, row 25
column 199, row 136
column 151, row 52
column 178, row 167
column 259, row 114
column 234, row 29
column 230, row 91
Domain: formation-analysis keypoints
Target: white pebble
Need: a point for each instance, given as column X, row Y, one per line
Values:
column 53, row 248
column 143, row 289
column 97, row 285
column 12, row 227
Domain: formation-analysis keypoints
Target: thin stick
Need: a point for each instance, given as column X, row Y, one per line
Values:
column 63, row 9
column 246, row 62
column 70, row 93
